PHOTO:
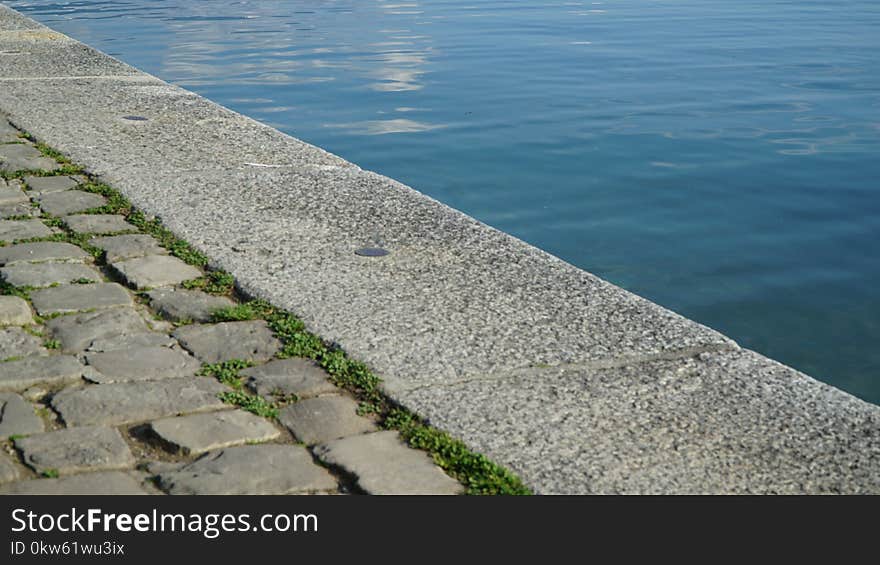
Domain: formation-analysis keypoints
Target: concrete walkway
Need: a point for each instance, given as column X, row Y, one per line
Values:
column 576, row 385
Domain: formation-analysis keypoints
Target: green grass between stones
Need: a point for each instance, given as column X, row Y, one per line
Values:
column 226, row 372
column 477, row 473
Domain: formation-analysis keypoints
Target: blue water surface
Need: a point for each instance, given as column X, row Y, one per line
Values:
column 720, row 158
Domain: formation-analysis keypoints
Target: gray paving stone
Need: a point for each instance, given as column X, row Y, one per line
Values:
column 53, row 371
column 250, row 469
column 8, row 211
column 41, row 251
column 199, row 433
column 79, row 297
column 17, row 416
column 213, row 343
column 8, row 470
column 729, row 422
column 76, row 450
column 45, row 185
column 15, row 343
column 8, row 134
column 78, row 331
column 142, row 364
column 187, row 305
column 19, row 157
column 98, row 223
column 319, row 420
column 69, row 202
column 302, row 378
column 122, row 403
column 383, row 464
column 119, row 247
column 10, row 230
column 154, row 271
column 15, row 311
column 135, row 341
column 11, row 192
column 105, row 483
column 47, row 274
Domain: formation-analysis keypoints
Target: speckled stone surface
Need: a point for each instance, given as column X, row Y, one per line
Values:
column 732, row 422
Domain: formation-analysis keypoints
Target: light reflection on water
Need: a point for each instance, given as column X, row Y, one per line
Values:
column 717, row 157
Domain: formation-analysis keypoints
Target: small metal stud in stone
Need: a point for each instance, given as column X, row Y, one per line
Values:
column 371, row 252
column 134, row 118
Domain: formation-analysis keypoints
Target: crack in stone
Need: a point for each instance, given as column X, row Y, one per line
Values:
column 610, row 363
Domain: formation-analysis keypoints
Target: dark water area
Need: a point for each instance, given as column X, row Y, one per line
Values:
column 719, row 158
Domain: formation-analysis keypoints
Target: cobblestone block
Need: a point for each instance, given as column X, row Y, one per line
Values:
column 213, row 343
column 76, row 450
column 47, row 274
column 205, row 432
column 97, row 223
column 53, row 371
column 154, row 271
column 41, row 251
column 21, row 157
column 17, row 416
column 80, row 297
column 187, row 305
column 250, row 469
column 302, row 378
column 78, row 331
column 119, row 247
column 11, row 192
column 325, row 418
column 383, row 464
column 15, row 311
column 10, row 230
column 45, row 185
column 122, row 403
column 16, row 343
column 142, row 364
column 70, row 202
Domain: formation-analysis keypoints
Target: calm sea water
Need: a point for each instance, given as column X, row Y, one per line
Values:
column 720, row 158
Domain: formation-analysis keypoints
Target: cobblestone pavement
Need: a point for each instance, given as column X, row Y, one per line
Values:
column 101, row 383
